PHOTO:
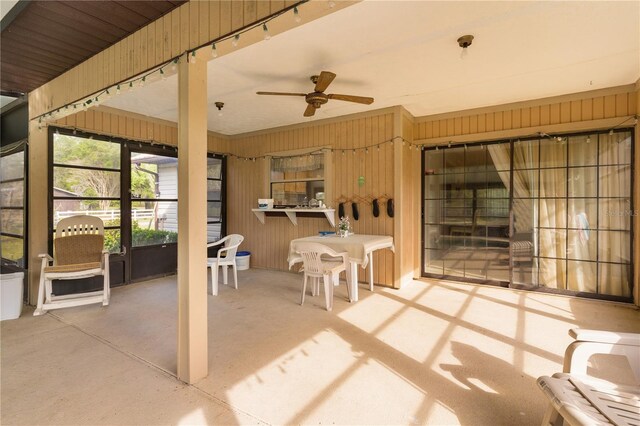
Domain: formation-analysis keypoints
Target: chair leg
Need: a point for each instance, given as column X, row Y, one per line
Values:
column 235, row 276
column 304, row 289
column 39, row 310
column 225, row 275
column 348, row 286
column 328, row 291
column 214, row 280
column 371, row 271
column 48, row 289
column 105, row 290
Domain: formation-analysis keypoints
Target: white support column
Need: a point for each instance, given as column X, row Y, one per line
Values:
column 192, row 195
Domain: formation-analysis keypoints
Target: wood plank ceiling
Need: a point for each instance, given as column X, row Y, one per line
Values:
column 46, row 38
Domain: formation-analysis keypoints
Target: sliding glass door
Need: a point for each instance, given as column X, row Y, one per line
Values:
column 552, row 213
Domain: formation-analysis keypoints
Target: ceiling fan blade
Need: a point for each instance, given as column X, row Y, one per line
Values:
column 350, row 98
column 309, row 111
column 281, row 93
column 324, row 80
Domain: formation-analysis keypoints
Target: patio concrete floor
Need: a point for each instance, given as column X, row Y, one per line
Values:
column 431, row 353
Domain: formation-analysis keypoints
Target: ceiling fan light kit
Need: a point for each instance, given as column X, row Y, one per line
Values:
column 317, row 98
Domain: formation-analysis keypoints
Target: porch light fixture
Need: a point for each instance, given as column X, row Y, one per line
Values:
column 219, row 105
column 236, row 39
column 464, row 42
column 296, row 15
column 214, row 51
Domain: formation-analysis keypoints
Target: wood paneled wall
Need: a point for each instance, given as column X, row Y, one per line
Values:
column 533, row 115
column 109, row 121
column 247, row 181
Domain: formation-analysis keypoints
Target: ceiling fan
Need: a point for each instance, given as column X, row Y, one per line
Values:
column 317, row 98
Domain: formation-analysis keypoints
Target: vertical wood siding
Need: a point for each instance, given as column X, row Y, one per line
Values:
column 246, row 182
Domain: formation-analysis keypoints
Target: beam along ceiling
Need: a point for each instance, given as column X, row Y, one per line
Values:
column 405, row 53
column 46, row 38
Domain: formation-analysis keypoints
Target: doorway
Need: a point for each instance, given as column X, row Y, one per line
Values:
column 551, row 214
column 132, row 187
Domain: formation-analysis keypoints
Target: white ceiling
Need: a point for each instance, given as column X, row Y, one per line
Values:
column 405, row 53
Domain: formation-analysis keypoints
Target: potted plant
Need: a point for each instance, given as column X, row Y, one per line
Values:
column 344, row 227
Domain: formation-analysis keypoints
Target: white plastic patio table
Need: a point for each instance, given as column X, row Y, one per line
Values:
column 359, row 247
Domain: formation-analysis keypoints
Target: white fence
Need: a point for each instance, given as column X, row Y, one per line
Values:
column 139, row 214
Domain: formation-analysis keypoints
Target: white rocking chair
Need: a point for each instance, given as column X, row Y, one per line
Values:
column 78, row 254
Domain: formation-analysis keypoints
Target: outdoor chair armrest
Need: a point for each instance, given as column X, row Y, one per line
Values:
column 225, row 249
column 599, row 336
column 46, row 256
column 578, row 353
column 215, row 243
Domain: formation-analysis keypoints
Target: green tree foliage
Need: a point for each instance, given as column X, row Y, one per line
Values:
column 73, row 150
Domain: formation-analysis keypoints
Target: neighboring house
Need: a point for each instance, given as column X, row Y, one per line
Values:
column 65, row 205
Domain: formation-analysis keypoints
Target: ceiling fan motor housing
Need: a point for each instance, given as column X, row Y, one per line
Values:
column 316, row 99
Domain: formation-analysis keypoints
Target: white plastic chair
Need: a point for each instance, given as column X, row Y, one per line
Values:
column 78, row 254
column 315, row 267
column 226, row 257
column 579, row 399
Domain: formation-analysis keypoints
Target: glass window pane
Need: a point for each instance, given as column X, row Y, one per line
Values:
column 553, row 243
column 12, row 194
column 214, row 190
column 582, row 213
column 583, row 150
column 525, row 183
column 214, row 168
column 583, row 182
column 454, row 160
column 12, row 166
column 293, row 193
column 434, row 186
column 475, row 159
column 552, row 273
column 581, row 245
column 614, row 214
column 108, row 211
column 434, row 210
column 433, row 161
column 79, row 151
column 615, row 181
column 614, row 279
column 614, row 246
column 12, row 249
column 214, row 211
column 553, row 213
column 154, row 222
column 433, row 236
column 525, row 154
column 581, row 276
column 85, row 183
column 615, row 149
column 553, row 183
column 154, row 176
column 433, row 263
column 12, row 221
column 299, row 167
column 214, row 232
column 552, row 153
column 499, row 156
column 112, row 241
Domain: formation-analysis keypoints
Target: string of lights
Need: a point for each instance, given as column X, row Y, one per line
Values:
column 543, row 135
column 166, row 68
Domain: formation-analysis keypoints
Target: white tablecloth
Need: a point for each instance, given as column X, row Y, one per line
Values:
column 358, row 246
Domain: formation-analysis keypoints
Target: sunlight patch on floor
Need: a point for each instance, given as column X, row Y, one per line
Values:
column 196, row 417
column 372, row 312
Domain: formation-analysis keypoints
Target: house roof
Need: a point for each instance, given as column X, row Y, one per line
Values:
column 42, row 39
